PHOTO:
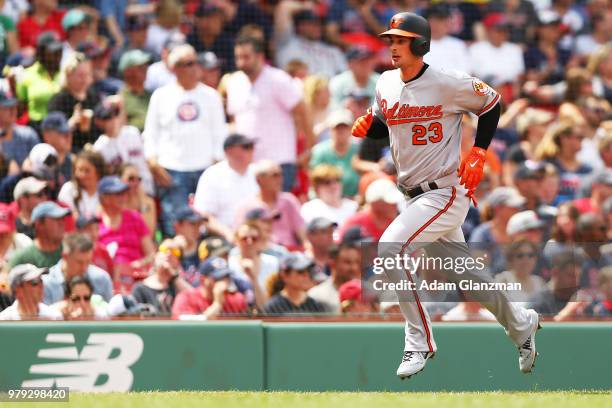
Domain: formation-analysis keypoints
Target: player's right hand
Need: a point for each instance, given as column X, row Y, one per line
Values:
column 362, row 124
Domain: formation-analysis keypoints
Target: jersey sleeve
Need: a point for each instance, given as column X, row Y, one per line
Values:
column 376, row 111
column 473, row 95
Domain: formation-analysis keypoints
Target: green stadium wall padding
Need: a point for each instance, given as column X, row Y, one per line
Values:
column 251, row 355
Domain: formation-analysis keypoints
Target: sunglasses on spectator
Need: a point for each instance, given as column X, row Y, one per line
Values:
column 132, row 179
column 35, row 282
column 302, row 271
column 76, row 298
column 186, row 64
column 40, row 194
column 522, row 255
column 248, row 147
column 327, row 182
column 253, row 238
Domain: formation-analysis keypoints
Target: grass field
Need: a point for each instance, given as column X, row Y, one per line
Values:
column 563, row 399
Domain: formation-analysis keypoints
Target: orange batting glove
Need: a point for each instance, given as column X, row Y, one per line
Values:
column 472, row 168
column 362, row 124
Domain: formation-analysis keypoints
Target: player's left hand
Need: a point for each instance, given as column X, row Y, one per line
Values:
column 472, row 168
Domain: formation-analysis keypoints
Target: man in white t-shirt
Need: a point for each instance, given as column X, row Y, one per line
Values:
column 496, row 61
column 184, row 133
column 121, row 144
column 267, row 105
column 224, row 185
column 27, row 287
column 446, row 51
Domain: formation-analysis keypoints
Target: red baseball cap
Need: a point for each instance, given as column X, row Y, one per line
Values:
column 495, row 20
column 350, row 290
column 7, row 219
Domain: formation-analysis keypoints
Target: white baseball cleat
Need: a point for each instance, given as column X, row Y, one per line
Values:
column 527, row 351
column 412, row 363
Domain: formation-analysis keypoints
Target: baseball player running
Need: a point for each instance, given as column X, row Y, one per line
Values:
column 420, row 108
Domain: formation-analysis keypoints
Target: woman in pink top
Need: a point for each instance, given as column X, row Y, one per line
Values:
column 124, row 232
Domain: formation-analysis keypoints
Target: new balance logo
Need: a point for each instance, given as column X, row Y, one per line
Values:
column 103, row 364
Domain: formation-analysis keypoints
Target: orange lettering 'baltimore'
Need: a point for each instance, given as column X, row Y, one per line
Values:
column 397, row 115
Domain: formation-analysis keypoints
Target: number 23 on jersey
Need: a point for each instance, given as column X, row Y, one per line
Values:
column 432, row 133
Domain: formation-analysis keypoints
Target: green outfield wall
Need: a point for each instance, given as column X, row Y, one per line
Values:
column 251, row 355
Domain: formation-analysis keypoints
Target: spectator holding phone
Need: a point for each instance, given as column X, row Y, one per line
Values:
column 215, row 295
column 80, row 302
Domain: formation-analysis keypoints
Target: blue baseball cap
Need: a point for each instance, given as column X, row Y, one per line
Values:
column 215, row 268
column 55, row 121
column 49, row 209
column 296, row 261
column 111, row 185
column 187, row 214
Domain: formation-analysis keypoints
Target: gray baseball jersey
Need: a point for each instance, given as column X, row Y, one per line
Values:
column 424, row 119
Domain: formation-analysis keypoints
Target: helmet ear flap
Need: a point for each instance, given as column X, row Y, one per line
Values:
column 419, row 46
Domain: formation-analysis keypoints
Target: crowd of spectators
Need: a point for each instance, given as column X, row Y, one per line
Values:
column 194, row 159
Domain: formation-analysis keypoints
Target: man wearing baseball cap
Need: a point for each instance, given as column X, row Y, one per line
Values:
column 57, row 133
column 76, row 26
column 26, row 285
column 216, row 294
column 319, row 238
column 28, row 193
column 16, row 140
column 133, row 67
column 224, row 185
column 49, row 227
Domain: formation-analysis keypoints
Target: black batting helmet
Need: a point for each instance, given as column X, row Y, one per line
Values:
column 413, row 26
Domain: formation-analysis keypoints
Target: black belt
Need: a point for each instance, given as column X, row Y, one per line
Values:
column 417, row 191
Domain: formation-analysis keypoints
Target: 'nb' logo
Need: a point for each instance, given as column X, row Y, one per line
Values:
column 97, row 368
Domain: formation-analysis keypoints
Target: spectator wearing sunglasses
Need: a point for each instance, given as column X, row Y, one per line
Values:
column 226, row 184
column 522, row 258
column 27, row 288
column 327, row 183
column 250, row 264
column 80, row 301
column 137, row 199
column 49, row 226
column 184, row 133
column 28, row 193
column 119, row 143
column 77, row 254
column 288, row 289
